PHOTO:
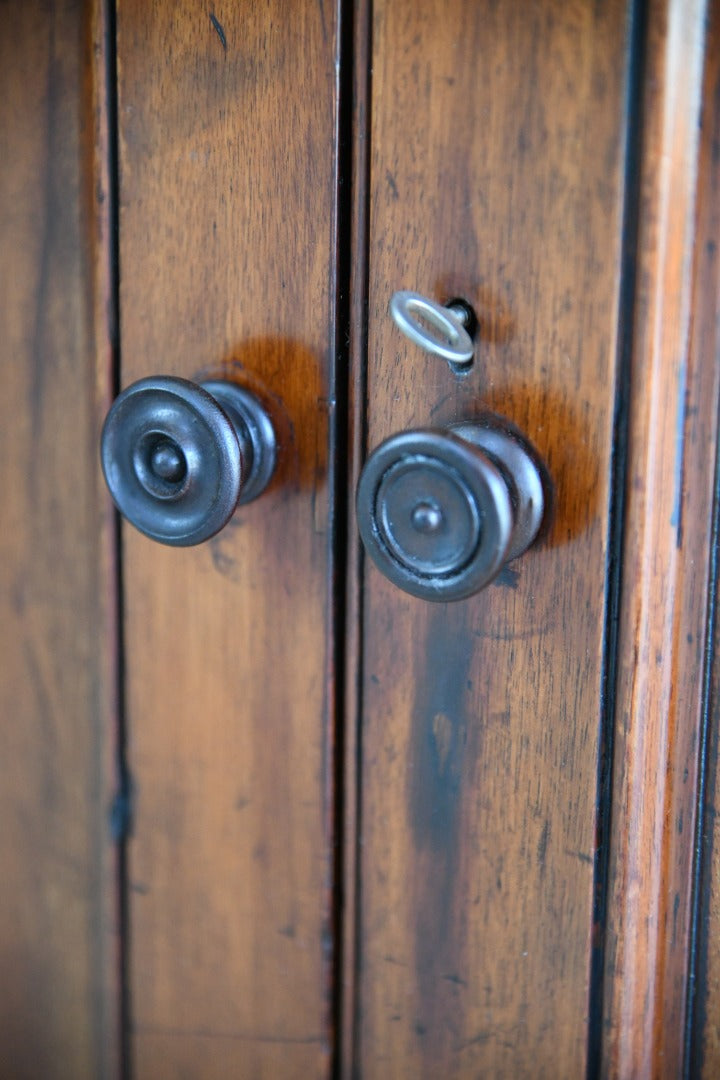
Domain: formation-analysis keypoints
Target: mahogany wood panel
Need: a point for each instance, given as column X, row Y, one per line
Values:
column 672, row 431
column 497, row 142
column 704, row 1050
column 227, row 262
column 58, row 919
column 693, row 652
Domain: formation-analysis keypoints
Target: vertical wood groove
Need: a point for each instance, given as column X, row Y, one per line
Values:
column 704, row 847
column 339, row 458
column 102, row 190
column 121, row 811
column 702, row 1031
column 637, row 45
column 361, row 73
column 664, row 578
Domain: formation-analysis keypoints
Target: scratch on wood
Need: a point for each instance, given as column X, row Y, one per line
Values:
column 393, row 185
column 394, row 960
column 219, row 30
column 455, row 979
column 543, row 843
column 580, row 855
column 322, row 21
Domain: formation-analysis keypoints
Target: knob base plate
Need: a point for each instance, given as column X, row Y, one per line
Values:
column 441, row 511
column 255, row 435
column 516, row 459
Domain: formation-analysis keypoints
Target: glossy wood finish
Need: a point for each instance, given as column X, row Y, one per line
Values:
column 58, row 919
column 496, row 169
column 702, row 443
column 704, row 1050
column 489, row 161
column 663, row 606
column 227, row 261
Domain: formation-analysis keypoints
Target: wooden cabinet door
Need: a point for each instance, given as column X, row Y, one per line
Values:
column 266, row 814
column 227, row 223
column 59, row 945
column 498, row 173
column 523, row 765
column 169, row 205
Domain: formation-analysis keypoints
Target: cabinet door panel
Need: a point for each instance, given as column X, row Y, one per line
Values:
column 59, row 1002
column 497, row 156
column 662, row 984
column 227, row 212
column 667, row 552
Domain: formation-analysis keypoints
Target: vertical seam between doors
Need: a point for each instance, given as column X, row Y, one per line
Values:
column 340, row 489
column 121, row 811
column 633, row 138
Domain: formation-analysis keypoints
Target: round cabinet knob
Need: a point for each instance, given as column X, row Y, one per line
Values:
column 179, row 457
column 441, row 511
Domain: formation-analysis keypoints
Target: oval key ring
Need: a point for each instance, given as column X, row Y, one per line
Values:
column 418, row 317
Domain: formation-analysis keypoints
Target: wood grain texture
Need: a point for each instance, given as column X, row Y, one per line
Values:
column 663, row 605
column 228, row 189
column 497, row 156
column 704, row 1050
column 58, row 920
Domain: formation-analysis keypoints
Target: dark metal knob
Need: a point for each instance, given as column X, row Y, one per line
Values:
column 178, row 456
column 441, row 511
